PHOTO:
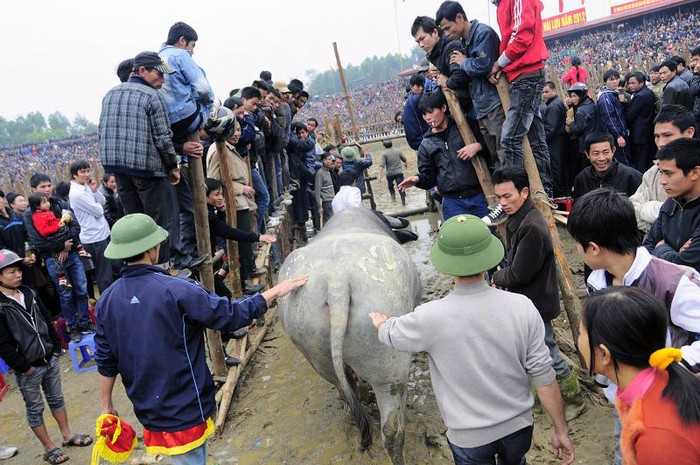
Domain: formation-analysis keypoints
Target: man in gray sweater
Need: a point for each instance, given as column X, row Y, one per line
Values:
column 486, row 348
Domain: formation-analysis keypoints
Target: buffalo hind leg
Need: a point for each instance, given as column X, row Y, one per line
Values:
column 391, row 400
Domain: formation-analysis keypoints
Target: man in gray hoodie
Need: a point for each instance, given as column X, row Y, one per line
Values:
column 486, row 349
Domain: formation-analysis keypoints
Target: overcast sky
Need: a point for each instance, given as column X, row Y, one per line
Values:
column 62, row 55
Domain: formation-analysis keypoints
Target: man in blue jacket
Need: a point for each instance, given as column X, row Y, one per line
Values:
column 480, row 51
column 414, row 125
column 612, row 115
column 150, row 331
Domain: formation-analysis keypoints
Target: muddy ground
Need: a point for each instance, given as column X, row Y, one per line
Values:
column 284, row 413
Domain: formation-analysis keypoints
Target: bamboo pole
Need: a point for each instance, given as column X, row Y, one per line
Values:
column 229, row 387
column 353, row 122
column 572, row 305
column 337, row 130
column 482, row 171
column 206, row 272
column 231, row 209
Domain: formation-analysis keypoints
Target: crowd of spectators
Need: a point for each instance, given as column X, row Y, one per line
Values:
column 374, row 105
column 647, row 39
column 19, row 162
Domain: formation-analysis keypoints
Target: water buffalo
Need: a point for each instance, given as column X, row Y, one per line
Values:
column 355, row 266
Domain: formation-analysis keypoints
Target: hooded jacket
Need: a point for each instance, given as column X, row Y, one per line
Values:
column 13, row 233
column 150, row 330
column 522, row 45
column 27, row 337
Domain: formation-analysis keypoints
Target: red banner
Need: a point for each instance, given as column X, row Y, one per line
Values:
column 564, row 20
column 625, row 7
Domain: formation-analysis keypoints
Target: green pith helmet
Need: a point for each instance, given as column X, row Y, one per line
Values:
column 134, row 234
column 465, row 247
column 349, row 154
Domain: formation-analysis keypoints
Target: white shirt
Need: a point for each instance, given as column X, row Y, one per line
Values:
column 347, row 196
column 89, row 211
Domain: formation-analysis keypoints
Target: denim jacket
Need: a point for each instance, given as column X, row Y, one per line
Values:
column 187, row 87
column 481, row 49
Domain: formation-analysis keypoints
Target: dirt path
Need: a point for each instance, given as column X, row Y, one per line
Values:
column 284, row 413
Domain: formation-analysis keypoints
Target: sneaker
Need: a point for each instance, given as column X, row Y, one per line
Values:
column 232, row 361
column 75, row 335
column 197, row 262
column 63, row 283
column 251, row 289
column 179, row 273
column 262, row 271
column 7, row 452
column 496, row 217
column 87, row 329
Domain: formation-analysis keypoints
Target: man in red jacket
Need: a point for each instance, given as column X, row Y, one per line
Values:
column 522, row 55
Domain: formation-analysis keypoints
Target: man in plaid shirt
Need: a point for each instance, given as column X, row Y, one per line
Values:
column 136, row 141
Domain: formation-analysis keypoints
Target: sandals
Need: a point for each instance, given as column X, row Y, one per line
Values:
column 78, row 440
column 55, row 456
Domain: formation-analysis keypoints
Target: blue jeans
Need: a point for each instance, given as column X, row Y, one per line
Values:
column 509, row 450
column 48, row 379
column 475, row 205
column 74, row 302
column 262, row 198
column 196, row 456
column 524, row 119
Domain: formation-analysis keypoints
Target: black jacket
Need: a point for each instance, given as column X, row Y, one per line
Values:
column 44, row 245
column 620, row 177
column 585, row 122
column 218, row 228
column 678, row 221
column 113, row 206
column 27, row 337
column 13, row 233
column 678, row 92
column 457, row 78
column 640, row 117
column 531, row 269
column 554, row 119
column 695, row 90
column 439, row 166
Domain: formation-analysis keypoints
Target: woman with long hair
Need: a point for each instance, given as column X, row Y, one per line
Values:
column 576, row 74
column 623, row 334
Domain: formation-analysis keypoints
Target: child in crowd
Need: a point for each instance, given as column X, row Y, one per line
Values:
column 47, row 224
column 623, row 337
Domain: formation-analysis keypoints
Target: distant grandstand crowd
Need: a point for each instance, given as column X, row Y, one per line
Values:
column 636, row 44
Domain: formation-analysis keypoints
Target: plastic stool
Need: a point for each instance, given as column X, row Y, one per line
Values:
column 87, row 351
column 564, row 203
column 3, row 387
